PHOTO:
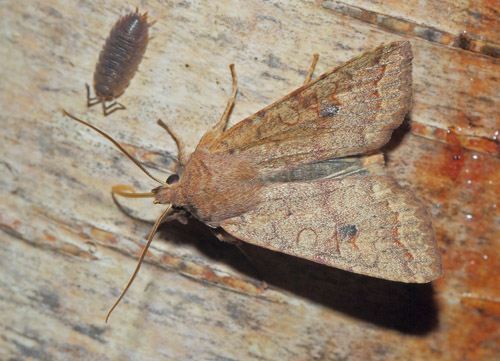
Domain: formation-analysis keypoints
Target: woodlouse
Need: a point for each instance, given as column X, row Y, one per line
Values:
column 119, row 60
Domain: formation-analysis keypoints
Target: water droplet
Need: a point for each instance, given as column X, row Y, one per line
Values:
column 485, row 256
column 475, row 156
column 468, row 216
column 469, row 182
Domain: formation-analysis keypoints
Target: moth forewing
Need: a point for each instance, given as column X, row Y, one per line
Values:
column 349, row 110
column 363, row 224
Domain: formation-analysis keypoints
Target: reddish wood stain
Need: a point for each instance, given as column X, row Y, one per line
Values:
column 486, row 307
column 480, row 144
column 103, row 236
column 50, row 237
column 454, row 156
column 202, row 273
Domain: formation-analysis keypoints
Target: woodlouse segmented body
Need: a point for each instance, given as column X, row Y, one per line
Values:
column 119, row 60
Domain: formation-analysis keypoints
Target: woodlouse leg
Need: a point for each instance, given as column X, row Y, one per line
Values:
column 91, row 101
column 311, row 69
column 181, row 149
column 106, row 108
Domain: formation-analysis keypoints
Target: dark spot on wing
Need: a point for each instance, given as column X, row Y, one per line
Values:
column 348, row 230
column 328, row 110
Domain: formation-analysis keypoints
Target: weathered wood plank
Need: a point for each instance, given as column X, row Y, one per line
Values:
column 470, row 25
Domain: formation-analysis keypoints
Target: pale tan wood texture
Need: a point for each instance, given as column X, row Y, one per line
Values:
column 67, row 250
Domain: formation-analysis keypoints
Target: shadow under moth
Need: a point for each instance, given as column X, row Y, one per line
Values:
column 304, row 176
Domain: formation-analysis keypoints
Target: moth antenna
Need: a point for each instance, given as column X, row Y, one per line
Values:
column 116, row 144
column 230, row 104
column 144, row 251
column 311, row 69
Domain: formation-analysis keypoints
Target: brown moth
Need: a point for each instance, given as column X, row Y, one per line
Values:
column 303, row 176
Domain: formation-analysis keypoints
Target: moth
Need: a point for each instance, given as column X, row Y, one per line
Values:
column 304, row 176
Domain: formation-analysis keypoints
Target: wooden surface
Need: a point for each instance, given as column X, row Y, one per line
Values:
column 67, row 251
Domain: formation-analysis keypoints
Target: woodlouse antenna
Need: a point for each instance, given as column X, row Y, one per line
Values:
column 116, row 144
column 144, row 251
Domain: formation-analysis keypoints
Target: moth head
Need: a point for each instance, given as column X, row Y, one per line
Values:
column 168, row 192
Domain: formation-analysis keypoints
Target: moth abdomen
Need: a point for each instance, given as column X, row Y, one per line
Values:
column 330, row 168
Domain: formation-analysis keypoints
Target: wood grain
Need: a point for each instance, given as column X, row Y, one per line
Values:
column 67, row 250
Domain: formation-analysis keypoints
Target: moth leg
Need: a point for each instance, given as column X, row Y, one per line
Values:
column 221, row 125
column 179, row 216
column 113, row 106
column 224, row 236
column 94, row 100
column 311, row 69
column 181, row 149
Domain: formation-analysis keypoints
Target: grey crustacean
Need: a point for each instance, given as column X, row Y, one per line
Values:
column 119, row 60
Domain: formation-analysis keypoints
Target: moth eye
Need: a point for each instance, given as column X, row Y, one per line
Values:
column 173, row 178
column 328, row 110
